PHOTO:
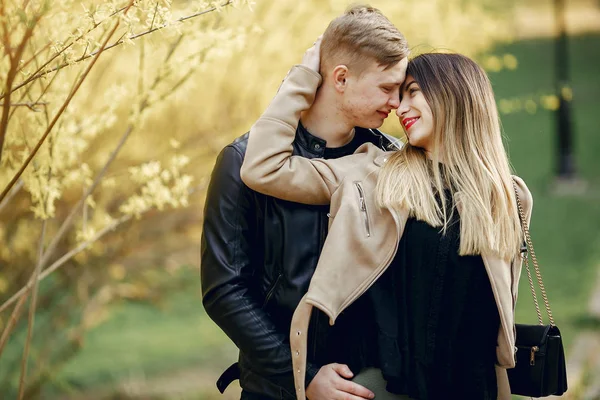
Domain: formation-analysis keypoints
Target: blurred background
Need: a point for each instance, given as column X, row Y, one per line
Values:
column 108, row 214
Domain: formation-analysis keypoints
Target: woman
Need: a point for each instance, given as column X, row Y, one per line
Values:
column 439, row 217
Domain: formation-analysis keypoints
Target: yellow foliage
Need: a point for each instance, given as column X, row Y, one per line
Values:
column 550, row 102
column 117, row 272
column 3, row 285
column 531, row 106
column 567, row 93
column 510, row 61
column 492, row 63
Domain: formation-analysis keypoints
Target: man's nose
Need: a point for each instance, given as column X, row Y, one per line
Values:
column 394, row 101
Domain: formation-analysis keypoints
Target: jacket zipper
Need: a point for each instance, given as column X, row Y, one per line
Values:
column 379, row 271
column 363, row 207
column 272, row 290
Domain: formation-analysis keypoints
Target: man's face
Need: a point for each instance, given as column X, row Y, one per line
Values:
column 371, row 96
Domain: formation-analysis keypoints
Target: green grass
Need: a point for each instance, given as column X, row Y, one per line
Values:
column 141, row 340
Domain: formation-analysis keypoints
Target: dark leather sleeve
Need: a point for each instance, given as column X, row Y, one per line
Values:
column 311, row 371
column 230, row 292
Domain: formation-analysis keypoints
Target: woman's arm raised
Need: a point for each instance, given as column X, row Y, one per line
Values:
column 269, row 166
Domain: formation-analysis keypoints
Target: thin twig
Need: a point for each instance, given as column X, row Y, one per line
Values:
column 12, row 72
column 12, row 321
column 178, row 84
column 35, row 55
column 154, row 16
column 30, row 105
column 38, row 73
column 12, row 194
column 44, row 90
column 58, row 115
column 32, row 308
column 5, row 33
column 58, row 263
column 68, row 221
column 158, row 78
column 117, row 43
column 141, row 74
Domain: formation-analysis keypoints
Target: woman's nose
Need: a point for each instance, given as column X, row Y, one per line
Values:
column 401, row 110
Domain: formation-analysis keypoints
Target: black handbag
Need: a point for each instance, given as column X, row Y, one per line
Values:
column 540, row 359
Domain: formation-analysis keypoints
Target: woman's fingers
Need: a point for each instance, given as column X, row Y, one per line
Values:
column 312, row 56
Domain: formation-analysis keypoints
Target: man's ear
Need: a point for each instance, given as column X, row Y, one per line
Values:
column 340, row 75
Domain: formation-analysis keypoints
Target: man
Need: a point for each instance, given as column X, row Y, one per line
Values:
column 259, row 253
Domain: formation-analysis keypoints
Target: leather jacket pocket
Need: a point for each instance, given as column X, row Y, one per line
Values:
column 272, row 289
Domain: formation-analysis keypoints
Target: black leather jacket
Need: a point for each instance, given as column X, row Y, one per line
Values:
column 258, row 256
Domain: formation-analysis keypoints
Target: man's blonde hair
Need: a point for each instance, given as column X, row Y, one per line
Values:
column 360, row 36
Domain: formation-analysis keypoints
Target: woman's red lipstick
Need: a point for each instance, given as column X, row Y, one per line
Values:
column 408, row 122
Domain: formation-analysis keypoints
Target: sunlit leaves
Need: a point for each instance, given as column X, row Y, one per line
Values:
column 531, row 104
column 159, row 187
column 496, row 63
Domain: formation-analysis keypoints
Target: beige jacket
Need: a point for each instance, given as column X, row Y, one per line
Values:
column 363, row 238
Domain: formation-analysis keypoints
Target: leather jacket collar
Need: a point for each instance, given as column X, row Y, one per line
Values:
column 316, row 145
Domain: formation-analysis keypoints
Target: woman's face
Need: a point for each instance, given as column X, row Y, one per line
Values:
column 415, row 115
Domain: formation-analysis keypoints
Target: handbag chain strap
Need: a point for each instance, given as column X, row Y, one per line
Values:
column 538, row 275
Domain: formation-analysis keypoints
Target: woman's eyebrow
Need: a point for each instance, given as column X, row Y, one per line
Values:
column 406, row 85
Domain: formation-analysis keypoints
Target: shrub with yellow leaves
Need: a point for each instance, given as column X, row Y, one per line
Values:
column 79, row 79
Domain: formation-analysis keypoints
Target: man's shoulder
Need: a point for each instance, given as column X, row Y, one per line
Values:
column 240, row 143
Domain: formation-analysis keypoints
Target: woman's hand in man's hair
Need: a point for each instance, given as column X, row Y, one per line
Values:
column 312, row 56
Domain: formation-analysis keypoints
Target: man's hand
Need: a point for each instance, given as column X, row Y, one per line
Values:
column 312, row 57
column 332, row 383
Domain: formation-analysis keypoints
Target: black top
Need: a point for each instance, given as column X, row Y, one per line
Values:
column 437, row 318
column 361, row 136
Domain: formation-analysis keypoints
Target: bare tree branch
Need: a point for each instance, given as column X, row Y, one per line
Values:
column 30, row 105
column 66, row 257
column 32, row 308
column 58, row 263
column 12, row 194
column 13, row 70
column 12, row 320
column 26, row 93
column 38, row 73
column 57, row 116
column 117, row 43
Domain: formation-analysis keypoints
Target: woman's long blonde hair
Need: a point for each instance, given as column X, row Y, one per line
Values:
column 468, row 160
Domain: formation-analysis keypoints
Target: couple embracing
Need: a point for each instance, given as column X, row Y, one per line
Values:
column 347, row 265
